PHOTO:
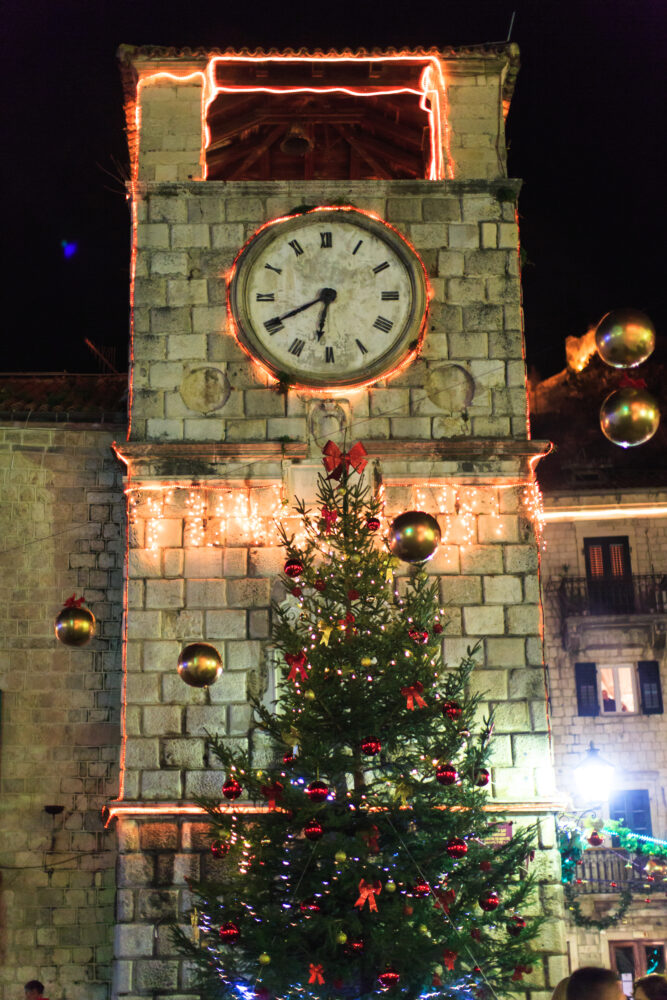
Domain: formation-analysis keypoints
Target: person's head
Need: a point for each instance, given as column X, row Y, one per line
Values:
column 651, row 988
column 560, row 993
column 33, row 989
column 591, row 983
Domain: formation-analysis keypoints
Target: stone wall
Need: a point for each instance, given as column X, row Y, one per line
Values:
column 62, row 514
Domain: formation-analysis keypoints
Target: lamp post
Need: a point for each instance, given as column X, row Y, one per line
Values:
column 593, row 776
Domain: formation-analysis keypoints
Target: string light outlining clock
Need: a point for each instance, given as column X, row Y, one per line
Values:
column 329, row 298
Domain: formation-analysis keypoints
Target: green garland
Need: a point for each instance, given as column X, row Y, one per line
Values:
column 629, row 841
column 609, row 921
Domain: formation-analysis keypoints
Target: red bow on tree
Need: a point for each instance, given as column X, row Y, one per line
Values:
column 74, row 601
column 371, row 838
column 444, row 899
column 336, row 462
column 297, row 662
column 348, row 624
column 413, row 694
column 437, row 981
column 518, row 973
column 329, row 517
column 316, row 974
column 628, row 382
column 273, row 793
column 368, row 891
column 449, row 958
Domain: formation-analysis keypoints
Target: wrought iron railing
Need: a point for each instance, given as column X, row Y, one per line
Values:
column 605, row 870
column 579, row 595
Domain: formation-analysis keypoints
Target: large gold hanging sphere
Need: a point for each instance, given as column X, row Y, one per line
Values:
column 629, row 417
column 199, row 664
column 414, row 536
column 625, row 338
column 75, row 626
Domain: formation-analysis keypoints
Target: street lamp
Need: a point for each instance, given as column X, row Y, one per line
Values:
column 593, row 776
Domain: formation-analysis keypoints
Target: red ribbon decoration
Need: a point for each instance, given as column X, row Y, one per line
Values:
column 628, row 382
column 371, row 838
column 297, row 661
column 74, row 601
column 273, row 793
column 368, row 891
column 444, row 899
column 330, row 517
column 518, row 973
column 337, row 462
column 449, row 958
column 413, row 693
column 316, row 974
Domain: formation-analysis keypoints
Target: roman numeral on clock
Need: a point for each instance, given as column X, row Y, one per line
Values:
column 270, row 267
column 297, row 346
column 328, row 354
column 296, row 247
column 265, row 297
column 357, row 247
column 362, row 348
column 326, row 240
column 389, row 296
column 383, row 324
column 273, row 325
column 381, row 267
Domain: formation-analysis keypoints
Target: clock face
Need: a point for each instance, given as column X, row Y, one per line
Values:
column 330, row 298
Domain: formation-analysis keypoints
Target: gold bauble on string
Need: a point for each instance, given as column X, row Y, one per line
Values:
column 199, row 664
column 625, row 338
column 629, row 417
column 75, row 626
column 414, row 536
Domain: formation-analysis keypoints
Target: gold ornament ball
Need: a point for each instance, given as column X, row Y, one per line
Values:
column 390, row 886
column 341, row 937
column 199, row 664
column 629, row 417
column 75, row 626
column 414, row 536
column 309, row 694
column 423, row 929
column 366, row 661
column 264, row 959
column 625, row 338
column 340, row 857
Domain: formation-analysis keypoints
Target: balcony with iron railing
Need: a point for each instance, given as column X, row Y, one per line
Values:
column 606, row 870
column 631, row 595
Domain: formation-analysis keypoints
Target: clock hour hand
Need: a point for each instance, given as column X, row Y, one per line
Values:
column 327, row 296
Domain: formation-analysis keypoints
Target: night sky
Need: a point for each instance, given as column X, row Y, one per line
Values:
column 586, row 134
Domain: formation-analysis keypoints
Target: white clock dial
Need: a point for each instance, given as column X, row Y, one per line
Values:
column 328, row 298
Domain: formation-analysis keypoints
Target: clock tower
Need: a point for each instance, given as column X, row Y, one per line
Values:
column 324, row 247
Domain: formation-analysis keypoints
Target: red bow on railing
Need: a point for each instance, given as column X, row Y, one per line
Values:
column 628, row 382
column 336, row 462
column 74, row 601
column 413, row 693
column 368, row 891
column 329, row 517
column 273, row 793
column 316, row 974
column 297, row 662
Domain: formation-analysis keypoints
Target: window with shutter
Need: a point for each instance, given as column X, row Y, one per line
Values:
column 585, row 675
column 631, row 808
column 650, row 690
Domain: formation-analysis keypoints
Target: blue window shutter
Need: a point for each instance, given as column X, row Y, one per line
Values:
column 649, row 687
column 585, row 676
column 632, row 809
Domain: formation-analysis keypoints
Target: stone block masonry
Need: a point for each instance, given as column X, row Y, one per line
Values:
column 62, row 516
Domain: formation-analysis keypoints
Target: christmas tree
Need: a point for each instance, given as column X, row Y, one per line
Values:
column 370, row 864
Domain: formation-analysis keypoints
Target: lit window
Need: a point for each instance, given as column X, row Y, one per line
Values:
column 617, row 689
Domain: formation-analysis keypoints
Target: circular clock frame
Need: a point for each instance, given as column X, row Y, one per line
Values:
column 405, row 341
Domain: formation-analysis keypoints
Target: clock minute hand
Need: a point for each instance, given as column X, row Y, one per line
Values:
column 294, row 312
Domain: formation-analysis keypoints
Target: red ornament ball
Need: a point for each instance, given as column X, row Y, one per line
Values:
column 485, row 866
column 220, row 848
column 516, row 925
column 317, row 791
column 388, row 978
column 437, row 628
column 353, row 595
column 489, row 901
column 320, row 585
column 456, row 848
column 231, row 789
column 293, row 568
column 482, row 777
column 451, row 710
column 421, row 888
column 373, row 523
column 288, row 758
column 419, row 636
column 595, row 840
column 313, row 830
column 309, row 905
column 297, row 592
column 357, row 945
column 230, row 933
column 446, row 774
column 371, row 746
